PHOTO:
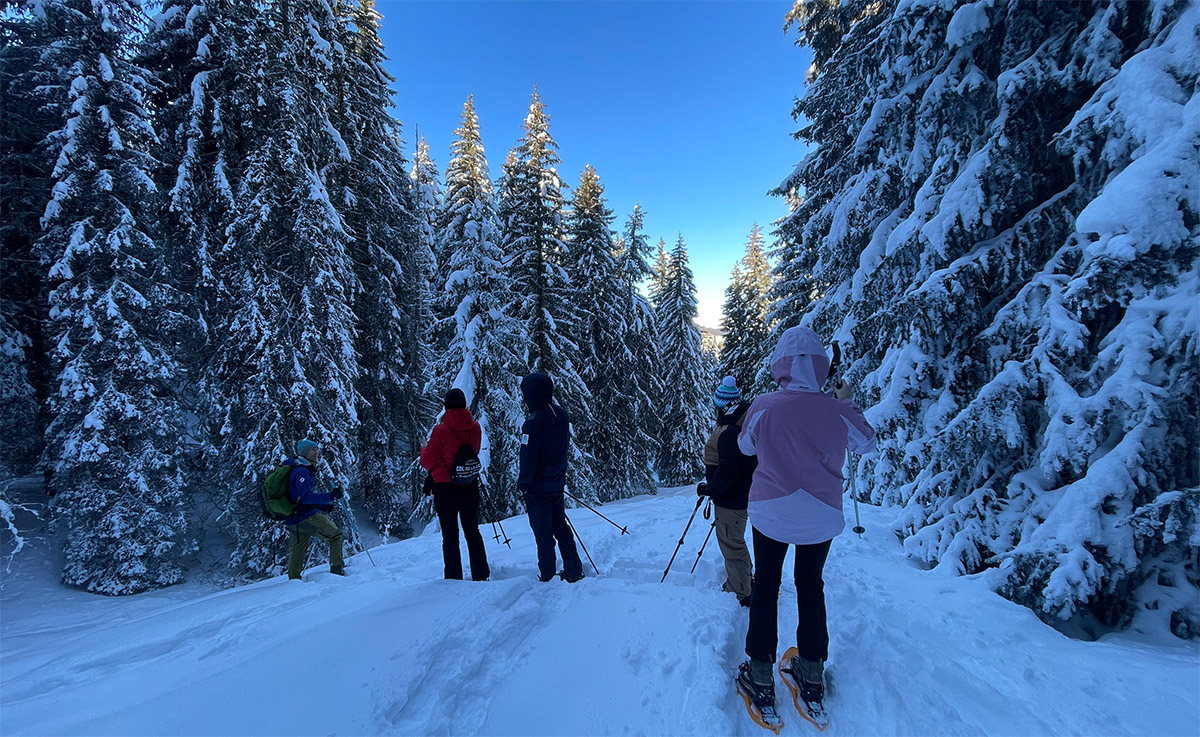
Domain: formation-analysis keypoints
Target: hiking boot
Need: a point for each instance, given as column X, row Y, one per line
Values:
column 570, row 579
column 763, row 694
column 339, row 571
column 545, row 579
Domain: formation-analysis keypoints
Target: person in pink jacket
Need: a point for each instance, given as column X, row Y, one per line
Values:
column 800, row 436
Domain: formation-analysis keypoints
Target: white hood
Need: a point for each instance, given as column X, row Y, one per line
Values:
column 799, row 362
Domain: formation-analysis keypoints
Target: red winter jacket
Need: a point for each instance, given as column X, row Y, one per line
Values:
column 457, row 427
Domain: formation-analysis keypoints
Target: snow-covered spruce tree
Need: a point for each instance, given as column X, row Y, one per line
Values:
column 427, row 201
column 599, row 292
column 641, row 342
column 1000, row 223
column 747, row 318
column 30, row 112
column 486, row 347
column 375, row 198
column 660, row 273
column 658, row 280
column 286, row 356
column 113, row 437
column 534, row 241
column 686, row 403
column 194, row 51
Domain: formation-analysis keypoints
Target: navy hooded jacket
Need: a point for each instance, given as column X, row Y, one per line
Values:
column 302, row 491
column 545, row 438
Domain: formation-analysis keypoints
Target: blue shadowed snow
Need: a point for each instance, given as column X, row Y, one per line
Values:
column 394, row 650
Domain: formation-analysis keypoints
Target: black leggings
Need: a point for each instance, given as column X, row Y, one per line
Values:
column 452, row 502
column 812, row 635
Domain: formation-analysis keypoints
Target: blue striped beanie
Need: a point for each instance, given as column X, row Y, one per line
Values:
column 727, row 392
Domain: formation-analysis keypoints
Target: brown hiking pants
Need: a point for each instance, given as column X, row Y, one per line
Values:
column 731, row 536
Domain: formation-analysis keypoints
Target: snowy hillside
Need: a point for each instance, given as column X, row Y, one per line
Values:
column 392, row 649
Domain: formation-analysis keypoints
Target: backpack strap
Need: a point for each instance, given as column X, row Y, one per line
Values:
column 449, row 470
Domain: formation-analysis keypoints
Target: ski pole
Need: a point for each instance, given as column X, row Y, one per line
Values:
column 580, row 539
column 712, row 527
column 354, row 526
column 614, row 524
column 699, row 501
column 495, row 518
column 858, row 528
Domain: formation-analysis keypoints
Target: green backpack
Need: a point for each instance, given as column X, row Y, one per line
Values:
column 276, row 504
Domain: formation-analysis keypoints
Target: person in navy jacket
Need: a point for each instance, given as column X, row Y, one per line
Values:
column 545, row 443
column 308, row 519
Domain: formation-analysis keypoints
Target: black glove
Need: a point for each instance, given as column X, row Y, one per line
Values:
column 427, row 486
column 702, row 489
column 338, row 493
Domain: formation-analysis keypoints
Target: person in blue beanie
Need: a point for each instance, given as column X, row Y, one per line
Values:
column 727, row 474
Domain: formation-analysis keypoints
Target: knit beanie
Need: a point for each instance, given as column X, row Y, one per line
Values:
column 727, row 392
column 455, row 399
column 304, row 446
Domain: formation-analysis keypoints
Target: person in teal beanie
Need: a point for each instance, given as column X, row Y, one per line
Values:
column 309, row 518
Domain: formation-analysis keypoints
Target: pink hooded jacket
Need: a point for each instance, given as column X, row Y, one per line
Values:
column 800, row 437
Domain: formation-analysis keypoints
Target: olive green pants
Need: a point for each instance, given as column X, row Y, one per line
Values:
column 299, row 537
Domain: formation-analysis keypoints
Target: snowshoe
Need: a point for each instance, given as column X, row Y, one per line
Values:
column 759, row 699
column 809, row 698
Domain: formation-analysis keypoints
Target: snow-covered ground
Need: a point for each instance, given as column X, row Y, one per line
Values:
column 392, row 649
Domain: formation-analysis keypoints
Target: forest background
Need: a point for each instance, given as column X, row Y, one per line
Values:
column 214, row 243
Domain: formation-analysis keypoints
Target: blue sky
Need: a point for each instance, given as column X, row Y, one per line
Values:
column 683, row 107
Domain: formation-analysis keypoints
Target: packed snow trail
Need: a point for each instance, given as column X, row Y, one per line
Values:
column 393, row 649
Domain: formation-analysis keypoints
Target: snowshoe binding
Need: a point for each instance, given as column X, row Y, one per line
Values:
column 760, row 700
column 808, row 697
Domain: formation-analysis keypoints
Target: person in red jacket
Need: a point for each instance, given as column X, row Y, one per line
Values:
column 451, row 501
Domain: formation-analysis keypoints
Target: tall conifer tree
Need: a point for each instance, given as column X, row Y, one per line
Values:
column 1014, row 315
column 30, row 111
column 113, row 437
column 196, row 53
column 747, row 313
column 534, row 233
column 686, row 397
column 602, row 296
column 485, row 348
column 641, row 342
column 427, row 196
column 377, row 204
column 287, row 358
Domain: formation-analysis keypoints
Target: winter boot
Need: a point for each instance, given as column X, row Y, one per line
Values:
column 756, row 686
column 807, row 674
column 762, row 693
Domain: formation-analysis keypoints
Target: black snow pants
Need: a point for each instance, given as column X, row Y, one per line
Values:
column 812, row 634
column 452, row 503
column 548, row 519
